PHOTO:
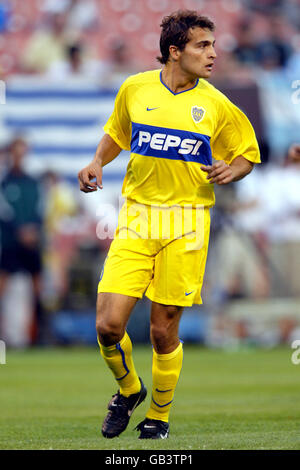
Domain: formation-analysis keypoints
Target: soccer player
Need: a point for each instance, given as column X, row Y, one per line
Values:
column 173, row 122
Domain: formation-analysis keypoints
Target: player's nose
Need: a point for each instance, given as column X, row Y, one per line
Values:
column 212, row 53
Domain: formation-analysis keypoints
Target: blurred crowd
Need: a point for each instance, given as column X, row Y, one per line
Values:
column 46, row 230
column 98, row 38
column 48, row 236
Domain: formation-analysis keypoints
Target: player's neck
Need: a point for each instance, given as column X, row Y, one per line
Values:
column 176, row 80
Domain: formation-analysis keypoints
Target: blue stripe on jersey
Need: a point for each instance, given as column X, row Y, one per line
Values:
column 174, row 144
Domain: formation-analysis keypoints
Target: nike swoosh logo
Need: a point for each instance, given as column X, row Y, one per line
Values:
column 149, row 427
column 188, row 293
column 163, row 391
column 151, row 109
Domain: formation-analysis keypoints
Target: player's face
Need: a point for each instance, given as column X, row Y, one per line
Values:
column 198, row 56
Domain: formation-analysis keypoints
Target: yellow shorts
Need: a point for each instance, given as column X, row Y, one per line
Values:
column 165, row 264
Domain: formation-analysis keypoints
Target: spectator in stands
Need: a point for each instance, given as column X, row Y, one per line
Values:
column 54, row 6
column 276, row 214
column 265, row 6
column 239, row 246
column 47, row 46
column 20, row 225
column 80, row 15
column 275, row 51
column 76, row 66
column 246, row 50
column 59, row 207
column 272, row 50
column 121, row 62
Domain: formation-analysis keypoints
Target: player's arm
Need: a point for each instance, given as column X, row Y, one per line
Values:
column 222, row 173
column 106, row 151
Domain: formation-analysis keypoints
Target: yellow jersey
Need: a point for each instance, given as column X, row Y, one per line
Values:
column 170, row 135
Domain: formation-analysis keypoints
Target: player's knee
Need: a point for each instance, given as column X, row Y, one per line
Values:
column 159, row 334
column 164, row 330
column 164, row 338
column 108, row 332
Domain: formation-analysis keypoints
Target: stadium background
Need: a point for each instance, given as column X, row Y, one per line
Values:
column 62, row 63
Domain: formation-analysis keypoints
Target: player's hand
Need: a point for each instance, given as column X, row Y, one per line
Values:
column 294, row 153
column 219, row 173
column 87, row 175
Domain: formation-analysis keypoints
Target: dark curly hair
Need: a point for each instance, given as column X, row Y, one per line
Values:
column 175, row 30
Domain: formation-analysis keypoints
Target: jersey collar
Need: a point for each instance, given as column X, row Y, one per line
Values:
column 189, row 89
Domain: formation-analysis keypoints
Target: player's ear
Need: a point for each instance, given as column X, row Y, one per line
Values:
column 174, row 52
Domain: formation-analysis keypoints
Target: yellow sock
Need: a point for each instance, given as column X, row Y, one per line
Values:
column 165, row 373
column 118, row 357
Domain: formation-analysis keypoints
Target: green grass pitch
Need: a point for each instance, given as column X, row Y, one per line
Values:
column 57, row 398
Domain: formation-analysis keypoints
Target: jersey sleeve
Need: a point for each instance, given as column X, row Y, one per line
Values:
column 234, row 136
column 118, row 125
